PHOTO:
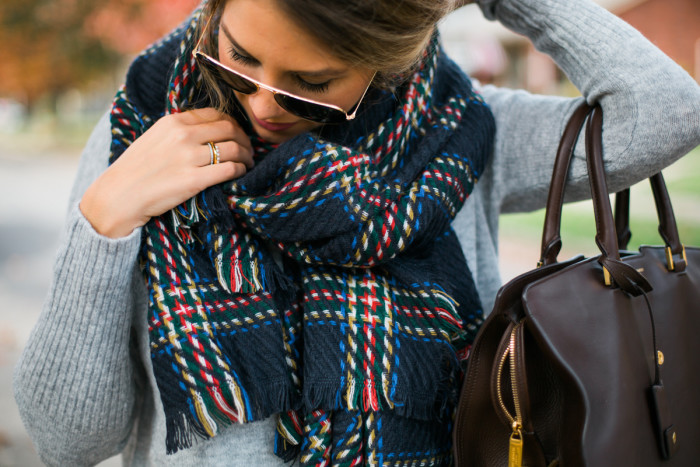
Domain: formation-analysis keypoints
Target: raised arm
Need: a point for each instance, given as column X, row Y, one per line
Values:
column 651, row 106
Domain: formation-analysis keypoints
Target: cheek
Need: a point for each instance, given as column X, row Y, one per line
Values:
column 221, row 49
column 242, row 98
column 352, row 93
column 351, row 97
column 243, row 101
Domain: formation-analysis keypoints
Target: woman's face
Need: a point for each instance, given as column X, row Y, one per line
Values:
column 257, row 39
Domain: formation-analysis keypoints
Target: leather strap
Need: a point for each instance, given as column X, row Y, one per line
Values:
column 606, row 235
column 551, row 237
column 622, row 218
column 667, row 220
column 625, row 276
column 668, row 229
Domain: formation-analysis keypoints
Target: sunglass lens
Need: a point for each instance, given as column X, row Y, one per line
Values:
column 309, row 110
column 238, row 83
column 301, row 108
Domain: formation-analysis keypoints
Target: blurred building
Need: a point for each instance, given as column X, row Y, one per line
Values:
column 673, row 25
column 493, row 54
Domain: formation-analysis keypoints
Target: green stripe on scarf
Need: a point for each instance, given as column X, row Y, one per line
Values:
column 326, row 285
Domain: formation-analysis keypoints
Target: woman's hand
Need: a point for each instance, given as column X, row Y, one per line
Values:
column 167, row 165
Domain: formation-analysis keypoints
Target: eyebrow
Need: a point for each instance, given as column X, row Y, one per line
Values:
column 326, row 72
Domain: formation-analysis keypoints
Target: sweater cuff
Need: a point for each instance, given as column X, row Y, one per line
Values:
column 81, row 234
column 93, row 259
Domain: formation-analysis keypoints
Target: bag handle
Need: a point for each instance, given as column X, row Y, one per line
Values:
column 622, row 218
column 551, row 239
column 551, row 235
column 668, row 229
column 624, row 275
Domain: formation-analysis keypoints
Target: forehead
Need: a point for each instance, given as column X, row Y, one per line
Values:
column 263, row 30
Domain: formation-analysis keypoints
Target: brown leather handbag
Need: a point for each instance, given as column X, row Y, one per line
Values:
column 589, row 361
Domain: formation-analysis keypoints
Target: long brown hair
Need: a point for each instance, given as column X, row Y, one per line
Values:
column 388, row 36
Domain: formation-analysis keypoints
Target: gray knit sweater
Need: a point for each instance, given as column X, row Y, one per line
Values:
column 85, row 386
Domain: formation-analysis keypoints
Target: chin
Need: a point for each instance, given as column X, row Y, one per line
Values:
column 278, row 137
column 275, row 137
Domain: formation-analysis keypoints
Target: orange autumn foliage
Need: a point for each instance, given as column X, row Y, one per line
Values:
column 49, row 46
column 128, row 26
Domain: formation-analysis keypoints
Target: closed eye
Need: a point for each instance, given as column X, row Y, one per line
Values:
column 242, row 59
column 238, row 54
column 311, row 87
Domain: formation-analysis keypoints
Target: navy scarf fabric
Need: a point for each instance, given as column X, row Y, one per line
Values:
column 326, row 285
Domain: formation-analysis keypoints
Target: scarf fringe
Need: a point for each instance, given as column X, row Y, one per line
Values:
column 184, row 428
column 239, row 276
column 284, row 449
column 253, row 276
column 212, row 202
column 196, row 214
column 180, row 434
column 198, row 412
column 289, row 435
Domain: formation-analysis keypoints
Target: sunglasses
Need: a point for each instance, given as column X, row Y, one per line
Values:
column 307, row 109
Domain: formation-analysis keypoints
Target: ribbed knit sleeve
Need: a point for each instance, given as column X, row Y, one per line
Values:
column 651, row 106
column 74, row 381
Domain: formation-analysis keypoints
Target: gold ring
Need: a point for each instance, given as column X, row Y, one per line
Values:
column 212, row 151
column 217, row 154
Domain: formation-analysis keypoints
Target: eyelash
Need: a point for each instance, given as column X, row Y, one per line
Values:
column 303, row 85
column 241, row 58
column 311, row 87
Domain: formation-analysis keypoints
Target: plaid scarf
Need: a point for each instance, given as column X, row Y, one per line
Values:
column 326, row 285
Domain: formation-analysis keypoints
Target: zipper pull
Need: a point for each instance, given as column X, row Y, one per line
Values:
column 515, row 451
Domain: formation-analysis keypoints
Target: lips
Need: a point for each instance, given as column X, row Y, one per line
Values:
column 273, row 126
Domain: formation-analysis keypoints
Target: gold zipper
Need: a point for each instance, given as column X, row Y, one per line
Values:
column 515, row 451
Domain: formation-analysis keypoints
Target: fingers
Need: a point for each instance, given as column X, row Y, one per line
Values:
column 220, row 131
column 230, row 151
column 165, row 166
column 214, row 126
column 218, row 173
column 199, row 127
column 197, row 116
column 208, row 125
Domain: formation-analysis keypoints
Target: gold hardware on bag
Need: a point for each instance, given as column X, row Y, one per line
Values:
column 669, row 258
column 660, row 357
column 606, row 276
column 515, row 451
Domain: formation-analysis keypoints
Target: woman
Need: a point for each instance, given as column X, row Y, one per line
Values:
column 319, row 296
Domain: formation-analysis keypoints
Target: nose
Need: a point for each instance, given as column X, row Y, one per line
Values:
column 264, row 105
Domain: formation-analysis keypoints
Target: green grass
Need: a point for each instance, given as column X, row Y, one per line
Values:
column 683, row 177
column 578, row 228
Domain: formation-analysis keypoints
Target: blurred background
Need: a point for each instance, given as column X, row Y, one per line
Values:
column 62, row 60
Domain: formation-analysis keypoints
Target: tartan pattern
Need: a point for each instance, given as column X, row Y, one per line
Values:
column 355, row 335
column 358, row 438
